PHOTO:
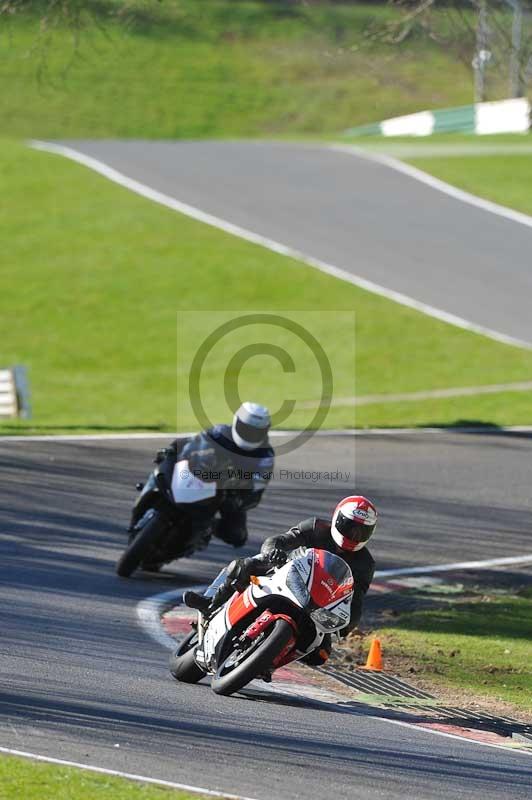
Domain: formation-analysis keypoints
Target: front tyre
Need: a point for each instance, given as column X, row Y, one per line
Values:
column 236, row 671
column 140, row 546
column 182, row 663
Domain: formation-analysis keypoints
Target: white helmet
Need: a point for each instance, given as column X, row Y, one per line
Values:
column 353, row 522
column 251, row 424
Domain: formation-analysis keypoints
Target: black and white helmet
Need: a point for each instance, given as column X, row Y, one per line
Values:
column 251, row 424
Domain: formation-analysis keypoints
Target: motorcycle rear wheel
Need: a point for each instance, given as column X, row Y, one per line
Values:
column 140, row 546
column 182, row 663
column 230, row 677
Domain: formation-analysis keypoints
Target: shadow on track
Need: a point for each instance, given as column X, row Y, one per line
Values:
column 156, row 733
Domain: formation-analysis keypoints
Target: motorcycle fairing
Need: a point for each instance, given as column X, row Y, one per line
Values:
column 214, row 637
column 187, row 488
column 316, row 580
column 287, row 591
column 239, row 606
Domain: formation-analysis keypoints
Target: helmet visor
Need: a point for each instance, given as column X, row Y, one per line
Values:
column 352, row 530
column 251, row 434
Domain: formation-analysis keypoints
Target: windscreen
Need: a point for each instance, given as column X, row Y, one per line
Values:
column 319, row 578
column 331, row 579
column 334, row 566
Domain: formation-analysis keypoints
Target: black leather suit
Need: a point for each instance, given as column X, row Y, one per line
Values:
column 241, row 477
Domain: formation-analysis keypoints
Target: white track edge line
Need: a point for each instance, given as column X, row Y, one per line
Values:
column 148, row 612
column 463, row 739
column 128, row 775
column 436, row 183
column 94, row 437
column 195, row 213
column 464, row 565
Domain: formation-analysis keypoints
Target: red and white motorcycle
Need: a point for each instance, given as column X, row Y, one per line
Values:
column 279, row 618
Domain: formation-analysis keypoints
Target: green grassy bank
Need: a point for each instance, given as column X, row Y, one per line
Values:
column 21, row 779
column 95, row 277
column 215, row 68
column 481, row 646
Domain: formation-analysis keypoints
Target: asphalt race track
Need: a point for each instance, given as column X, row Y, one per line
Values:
column 352, row 212
column 82, row 681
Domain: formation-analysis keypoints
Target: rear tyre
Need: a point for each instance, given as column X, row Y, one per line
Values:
column 140, row 546
column 182, row 665
column 233, row 675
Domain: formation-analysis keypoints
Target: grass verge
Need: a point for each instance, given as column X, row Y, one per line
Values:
column 31, row 780
column 216, row 68
column 506, row 179
column 478, row 644
column 95, row 279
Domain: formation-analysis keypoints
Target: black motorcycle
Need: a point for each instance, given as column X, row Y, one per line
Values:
column 175, row 517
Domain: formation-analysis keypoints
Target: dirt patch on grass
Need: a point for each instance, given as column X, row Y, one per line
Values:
column 354, row 652
column 439, row 668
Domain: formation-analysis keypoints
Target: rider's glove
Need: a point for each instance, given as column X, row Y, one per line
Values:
column 277, row 557
column 161, row 455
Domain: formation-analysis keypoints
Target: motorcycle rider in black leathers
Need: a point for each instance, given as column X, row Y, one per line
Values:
column 238, row 457
column 346, row 535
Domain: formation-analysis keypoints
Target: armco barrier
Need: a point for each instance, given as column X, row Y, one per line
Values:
column 501, row 116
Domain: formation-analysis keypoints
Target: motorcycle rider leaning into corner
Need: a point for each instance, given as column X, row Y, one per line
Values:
column 238, row 456
column 346, row 535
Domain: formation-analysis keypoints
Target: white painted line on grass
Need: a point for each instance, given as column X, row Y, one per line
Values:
column 430, row 394
column 277, row 247
column 459, row 565
column 424, row 149
column 118, row 774
column 436, row 183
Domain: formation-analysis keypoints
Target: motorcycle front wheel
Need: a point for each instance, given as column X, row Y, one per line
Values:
column 182, row 662
column 238, row 669
column 140, row 546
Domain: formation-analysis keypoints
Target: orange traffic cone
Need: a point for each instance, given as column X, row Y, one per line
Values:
column 374, row 661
